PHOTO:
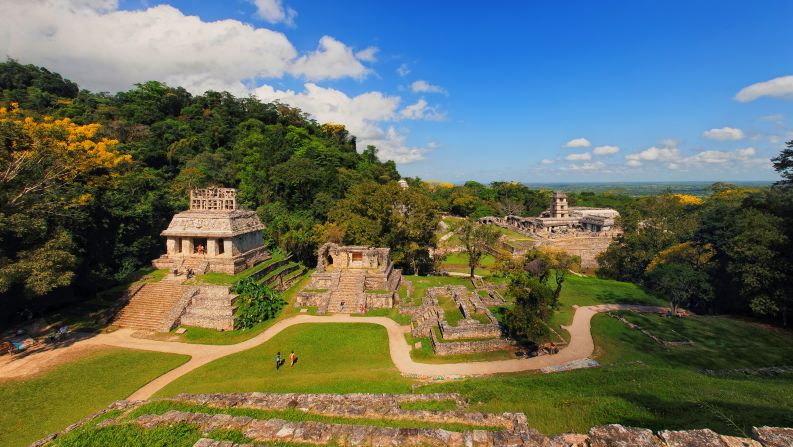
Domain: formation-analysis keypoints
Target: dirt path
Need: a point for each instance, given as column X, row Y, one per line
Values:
column 581, row 346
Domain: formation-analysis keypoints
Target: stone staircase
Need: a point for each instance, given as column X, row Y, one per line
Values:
column 151, row 306
column 213, row 307
column 350, row 291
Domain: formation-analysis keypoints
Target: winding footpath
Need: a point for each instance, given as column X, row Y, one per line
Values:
column 581, row 346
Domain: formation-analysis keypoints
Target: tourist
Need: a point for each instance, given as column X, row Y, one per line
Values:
column 200, row 249
column 277, row 360
column 189, row 273
column 292, row 359
column 362, row 308
column 341, row 306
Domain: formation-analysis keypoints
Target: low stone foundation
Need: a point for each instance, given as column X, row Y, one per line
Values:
column 486, row 430
column 470, row 346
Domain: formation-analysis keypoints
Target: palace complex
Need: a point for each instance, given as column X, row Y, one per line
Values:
column 581, row 231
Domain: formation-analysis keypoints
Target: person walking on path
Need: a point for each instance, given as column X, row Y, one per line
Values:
column 277, row 360
column 292, row 359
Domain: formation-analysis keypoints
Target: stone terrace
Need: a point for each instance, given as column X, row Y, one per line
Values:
column 507, row 429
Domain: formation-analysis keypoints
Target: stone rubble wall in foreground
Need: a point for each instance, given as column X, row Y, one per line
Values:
column 507, row 429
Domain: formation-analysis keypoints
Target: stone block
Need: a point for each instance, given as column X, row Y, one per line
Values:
column 616, row 435
column 692, row 438
column 773, row 436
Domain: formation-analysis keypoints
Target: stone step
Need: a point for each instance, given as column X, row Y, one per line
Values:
column 211, row 311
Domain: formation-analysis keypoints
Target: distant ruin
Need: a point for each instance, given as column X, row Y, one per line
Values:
column 581, row 231
column 351, row 279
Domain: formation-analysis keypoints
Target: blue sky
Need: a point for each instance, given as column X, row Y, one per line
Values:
column 643, row 90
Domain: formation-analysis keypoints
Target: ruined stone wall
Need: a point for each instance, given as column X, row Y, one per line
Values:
column 468, row 347
column 585, row 247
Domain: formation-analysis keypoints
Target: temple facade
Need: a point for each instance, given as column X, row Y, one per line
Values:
column 213, row 235
column 351, row 279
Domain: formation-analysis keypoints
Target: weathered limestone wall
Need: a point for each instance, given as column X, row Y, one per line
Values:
column 507, row 429
column 585, row 247
column 469, row 347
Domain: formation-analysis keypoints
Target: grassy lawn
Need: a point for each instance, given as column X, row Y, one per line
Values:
column 647, row 385
column 333, row 358
column 421, row 283
column 224, row 279
column 48, row 402
column 392, row 313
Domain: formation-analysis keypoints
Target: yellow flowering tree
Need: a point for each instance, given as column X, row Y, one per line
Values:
column 48, row 170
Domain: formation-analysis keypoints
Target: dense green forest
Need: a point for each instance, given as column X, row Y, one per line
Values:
column 88, row 181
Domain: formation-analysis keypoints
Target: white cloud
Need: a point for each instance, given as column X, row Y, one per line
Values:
column 781, row 87
column 403, row 70
column 721, row 157
column 368, row 54
column 362, row 114
column 578, row 142
column 724, row 133
column 332, row 60
column 422, row 110
column 594, row 166
column 422, row 86
column 273, row 11
column 633, row 163
column 605, row 150
column 546, row 162
column 652, row 154
column 104, row 48
column 577, row 157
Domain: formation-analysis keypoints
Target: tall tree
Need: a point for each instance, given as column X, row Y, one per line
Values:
column 477, row 240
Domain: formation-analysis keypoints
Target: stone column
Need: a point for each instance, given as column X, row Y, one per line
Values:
column 172, row 245
column 187, row 246
column 228, row 248
column 212, row 247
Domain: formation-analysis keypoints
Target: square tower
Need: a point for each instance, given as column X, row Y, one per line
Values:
column 559, row 208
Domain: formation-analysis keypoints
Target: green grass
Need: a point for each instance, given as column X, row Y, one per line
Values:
column 48, row 402
column 392, row 313
column 451, row 310
column 646, row 385
column 487, row 260
column 155, row 275
column 224, row 279
column 429, row 405
column 422, row 283
column 333, row 358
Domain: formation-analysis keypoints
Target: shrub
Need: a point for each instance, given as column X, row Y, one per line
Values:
column 257, row 303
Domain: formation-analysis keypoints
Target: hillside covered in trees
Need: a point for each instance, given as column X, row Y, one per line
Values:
column 89, row 180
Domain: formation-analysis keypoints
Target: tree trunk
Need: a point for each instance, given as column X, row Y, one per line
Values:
column 472, row 270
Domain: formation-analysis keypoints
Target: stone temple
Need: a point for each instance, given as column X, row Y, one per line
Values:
column 351, row 279
column 213, row 235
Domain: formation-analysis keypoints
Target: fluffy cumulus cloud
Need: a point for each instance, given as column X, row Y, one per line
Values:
column 578, row 142
column 652, row 154
column 104, row 48
column 724, row 133
column 363, row 115
column 274, row 11
column 422, row 110
column 781, row 87
column 403, row 70
column 605, row 150
column 422, row 86
column 672, row 158
column 578, row 157
column 368, row 54
column 332, row 60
